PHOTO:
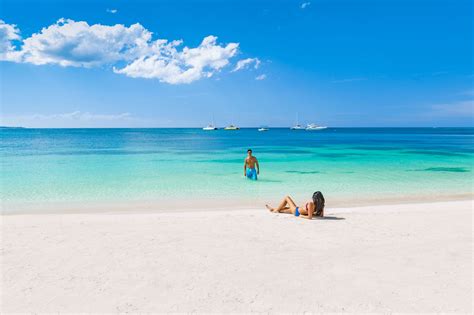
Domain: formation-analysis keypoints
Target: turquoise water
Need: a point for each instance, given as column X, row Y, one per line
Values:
column 177, row 165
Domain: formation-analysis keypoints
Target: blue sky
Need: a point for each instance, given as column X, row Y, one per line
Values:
column 335, row 62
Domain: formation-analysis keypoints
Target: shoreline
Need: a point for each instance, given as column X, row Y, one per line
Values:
column 216, row 204
column 412, row 258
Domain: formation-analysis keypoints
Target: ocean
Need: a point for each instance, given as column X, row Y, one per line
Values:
column 174, row 167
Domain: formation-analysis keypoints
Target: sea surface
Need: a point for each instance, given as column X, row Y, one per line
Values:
column 186, row 166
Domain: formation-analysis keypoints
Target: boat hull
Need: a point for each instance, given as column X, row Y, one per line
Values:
column 315, row 128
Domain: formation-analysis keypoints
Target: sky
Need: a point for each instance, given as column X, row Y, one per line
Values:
column 339, row 63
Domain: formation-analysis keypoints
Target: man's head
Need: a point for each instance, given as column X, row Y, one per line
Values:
column 249, row 152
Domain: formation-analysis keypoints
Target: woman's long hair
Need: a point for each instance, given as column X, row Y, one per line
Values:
column 318, row 200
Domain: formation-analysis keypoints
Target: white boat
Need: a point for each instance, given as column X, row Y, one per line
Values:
column 231, row 127
column 210, row 127
column 263, row 129
column 315, row 127
column 297, row 126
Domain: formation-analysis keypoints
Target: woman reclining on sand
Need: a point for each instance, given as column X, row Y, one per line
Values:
column 313, row 208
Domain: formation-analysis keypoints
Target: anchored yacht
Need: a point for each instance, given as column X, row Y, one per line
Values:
column 210, row 127
column 314, row 127
column 231, row 127
column 297, row 126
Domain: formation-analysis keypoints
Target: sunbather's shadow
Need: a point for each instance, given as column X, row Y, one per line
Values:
column 330, row 218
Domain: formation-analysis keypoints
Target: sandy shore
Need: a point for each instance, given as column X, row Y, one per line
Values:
column 396, row 258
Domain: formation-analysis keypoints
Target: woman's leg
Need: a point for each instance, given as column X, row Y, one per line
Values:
column 287, row 205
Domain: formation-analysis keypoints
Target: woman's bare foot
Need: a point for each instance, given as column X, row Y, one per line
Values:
column 270, row 208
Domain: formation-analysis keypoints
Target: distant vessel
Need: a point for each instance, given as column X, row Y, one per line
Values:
column 263, row 129
column 297, row 126
column 315, row 127
column 231, row 127
column 210, row 127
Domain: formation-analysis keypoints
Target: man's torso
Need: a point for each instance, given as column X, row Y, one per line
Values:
column 251, row 161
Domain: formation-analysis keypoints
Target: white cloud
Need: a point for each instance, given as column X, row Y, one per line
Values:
column 305, row 4
column 78, row 115
column 261, row 77
column 71, row 119
column 245, row 63
column 130, row 50
column 70, row 43
column 178, row 67
column 113, row 11
column 8, row 34
column 463, row 108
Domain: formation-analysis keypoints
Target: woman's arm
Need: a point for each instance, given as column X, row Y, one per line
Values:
column 309, row 216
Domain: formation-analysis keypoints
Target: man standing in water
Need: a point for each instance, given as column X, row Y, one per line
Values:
column 249, row 166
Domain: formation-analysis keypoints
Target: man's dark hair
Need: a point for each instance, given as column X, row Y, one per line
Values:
column 249, row 150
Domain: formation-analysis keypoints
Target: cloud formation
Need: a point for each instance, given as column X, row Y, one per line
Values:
column 8, row 34
column 305, row 4
column 70, row 119
column 464, row 108
column 78, row 44
column 131, row 51
column 245, row 63
column 177, row 67
column 113, row 11
column 261, row 77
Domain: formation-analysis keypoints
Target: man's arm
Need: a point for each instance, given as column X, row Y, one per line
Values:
column 258, row 166
column 245, row 167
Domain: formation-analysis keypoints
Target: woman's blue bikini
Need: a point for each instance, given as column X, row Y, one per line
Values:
column 297, row 210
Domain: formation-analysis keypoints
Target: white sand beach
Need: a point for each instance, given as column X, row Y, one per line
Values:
column 395, row 258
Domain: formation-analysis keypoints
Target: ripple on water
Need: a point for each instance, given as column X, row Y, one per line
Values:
column 284, row 151
column 439, row 153
column 444, row 169
column 338, row 155
column 303, row 172
column 226, row 161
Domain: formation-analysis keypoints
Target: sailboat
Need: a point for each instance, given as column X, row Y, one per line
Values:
column 297, row 126
column 311, row 127
column 210, row 127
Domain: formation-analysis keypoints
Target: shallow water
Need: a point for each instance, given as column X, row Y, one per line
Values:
column 65, row 165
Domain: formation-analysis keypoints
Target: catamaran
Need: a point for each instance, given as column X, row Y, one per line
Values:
column 315, row 127
column 231, row 127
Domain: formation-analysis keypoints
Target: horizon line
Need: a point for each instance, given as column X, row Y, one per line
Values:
column 247, row 127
